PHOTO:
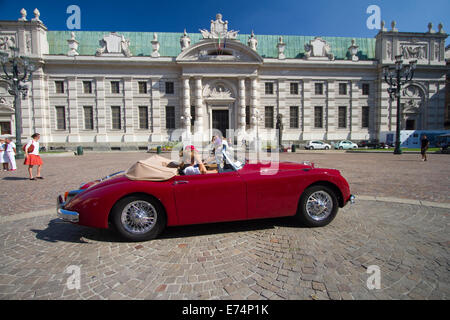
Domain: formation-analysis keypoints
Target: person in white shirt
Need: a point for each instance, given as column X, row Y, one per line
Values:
column 10, row 151
column 3, row 156
column 32, row 157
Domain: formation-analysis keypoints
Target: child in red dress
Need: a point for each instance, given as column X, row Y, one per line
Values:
column 32, row 157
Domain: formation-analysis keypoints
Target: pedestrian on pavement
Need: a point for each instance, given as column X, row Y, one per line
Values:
column 3, row 156
column 10, row 151
column 32, row 157
column 424, row 143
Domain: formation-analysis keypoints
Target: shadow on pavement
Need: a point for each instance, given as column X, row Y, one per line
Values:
column 15, row 178
column 58, row 231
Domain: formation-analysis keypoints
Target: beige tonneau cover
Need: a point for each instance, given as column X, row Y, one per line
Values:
column 154, row 168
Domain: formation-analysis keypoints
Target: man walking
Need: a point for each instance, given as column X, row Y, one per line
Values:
column 424, row 143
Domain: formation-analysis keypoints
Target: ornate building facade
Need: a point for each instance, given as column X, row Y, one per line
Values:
column 128, row 89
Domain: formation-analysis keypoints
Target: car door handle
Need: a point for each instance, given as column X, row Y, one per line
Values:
column 180, row 182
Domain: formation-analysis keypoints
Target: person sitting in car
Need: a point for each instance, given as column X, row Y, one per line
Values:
column 191, row 162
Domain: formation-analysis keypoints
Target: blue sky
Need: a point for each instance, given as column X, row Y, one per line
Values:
column 290, row 17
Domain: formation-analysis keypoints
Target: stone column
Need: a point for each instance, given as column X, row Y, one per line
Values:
column 156, row 135
column 241, row 113
column 308, row 113
column 186, row 103
column 72, row 107
column 330, row 111
column 198, row 125
column 40, row 111
column 101, row 110
column 128, row 110
column 355, row 111
column 253, row 102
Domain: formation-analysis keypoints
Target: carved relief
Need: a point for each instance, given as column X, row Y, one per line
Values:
column 217, row 91
column 389, row 50
column 7, row 41
column 318, row 48
column 411, row 51
column 413, row 97
column 114, row 44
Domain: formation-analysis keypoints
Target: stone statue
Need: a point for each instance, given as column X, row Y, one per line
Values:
column 185, row 41
column 219, row 29
column 279, row 127
column 23, row 14
column 252, row 42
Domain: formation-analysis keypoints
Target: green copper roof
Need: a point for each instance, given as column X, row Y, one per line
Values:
column 140, row 44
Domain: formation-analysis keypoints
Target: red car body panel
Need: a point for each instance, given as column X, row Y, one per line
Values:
column 256, row 191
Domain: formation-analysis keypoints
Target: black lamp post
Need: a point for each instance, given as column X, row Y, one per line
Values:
column 17, row 71
column 396, row 78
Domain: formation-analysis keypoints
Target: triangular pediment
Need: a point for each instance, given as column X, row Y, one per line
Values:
column 210, row 51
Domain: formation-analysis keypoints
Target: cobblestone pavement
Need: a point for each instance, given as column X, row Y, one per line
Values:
column 403, row 176
column 269, row 259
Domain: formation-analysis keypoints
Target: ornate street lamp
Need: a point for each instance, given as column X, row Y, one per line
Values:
column 397, row 77
column 17, row 71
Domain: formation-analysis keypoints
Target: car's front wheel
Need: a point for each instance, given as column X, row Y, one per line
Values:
column 318, row 206
column 326, row 148
column 138, row 218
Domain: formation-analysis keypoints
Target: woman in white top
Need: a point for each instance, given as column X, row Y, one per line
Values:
column 32, row 157
column 3, row 156
column 10, row 150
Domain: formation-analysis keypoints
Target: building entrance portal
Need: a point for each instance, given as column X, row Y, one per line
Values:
column 220, row 121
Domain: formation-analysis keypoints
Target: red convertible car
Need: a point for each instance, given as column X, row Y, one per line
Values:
column 140, row 203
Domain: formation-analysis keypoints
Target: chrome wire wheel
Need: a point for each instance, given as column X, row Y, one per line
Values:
column 139, row 217
column 319, row 205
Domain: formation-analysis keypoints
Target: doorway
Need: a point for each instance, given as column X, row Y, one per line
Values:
column 220, row 121
column 410, row 124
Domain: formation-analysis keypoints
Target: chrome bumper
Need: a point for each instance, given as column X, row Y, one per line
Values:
column 66, row 215
column 352, row 199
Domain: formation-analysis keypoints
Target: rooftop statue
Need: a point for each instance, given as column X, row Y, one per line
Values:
column 219, row 29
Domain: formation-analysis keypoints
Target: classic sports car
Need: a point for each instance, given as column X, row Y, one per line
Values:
column 150, row 196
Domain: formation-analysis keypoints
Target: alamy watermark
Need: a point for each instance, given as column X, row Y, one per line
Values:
column 374, row 20
column 374, row 280
column 73, row 22
column 74, row 280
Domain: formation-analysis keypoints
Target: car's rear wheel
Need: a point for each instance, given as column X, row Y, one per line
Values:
column 326, row 148
column 138, row 218
column 318, row 206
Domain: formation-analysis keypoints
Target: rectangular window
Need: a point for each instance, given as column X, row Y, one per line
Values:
column 116, row 118
column 5, row 127
column 88, row 118
column 342, row 89
column 294, row 88
column 87, row 86
column 115, row 86
column 142, row 87
column 318, row 88
column 170, row 117
column 365, row 117
column 293, row 119
column 59, row 86
column 342, row 117
column 268, row 87
column 192, row 115
column 170, row 87
column 318, row 117
column 268, row 117
column 365, row 89
column 247, row 115
column 60, row 118
column 143, row 117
